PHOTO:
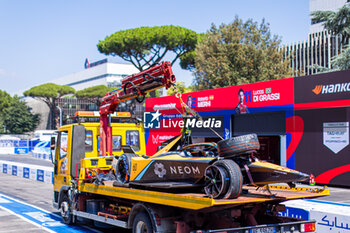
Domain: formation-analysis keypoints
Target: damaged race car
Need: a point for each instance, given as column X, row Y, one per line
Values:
column 217, row 169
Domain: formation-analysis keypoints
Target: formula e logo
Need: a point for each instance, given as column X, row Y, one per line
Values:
column 159, row 170
column 151, row 120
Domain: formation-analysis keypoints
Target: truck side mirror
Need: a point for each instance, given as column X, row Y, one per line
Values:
column 52, row 148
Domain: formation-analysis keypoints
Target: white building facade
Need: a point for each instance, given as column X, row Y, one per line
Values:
column 98, row 73
column 323, row 5
column 320, row 47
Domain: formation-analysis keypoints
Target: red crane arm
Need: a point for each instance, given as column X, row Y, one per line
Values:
column 134, row 86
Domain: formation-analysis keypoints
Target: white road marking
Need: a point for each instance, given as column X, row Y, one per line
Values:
column 2, row 200
column 24, row 203
column 27, row 220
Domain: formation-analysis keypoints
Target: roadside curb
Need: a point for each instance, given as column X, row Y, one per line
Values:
column 329, row 216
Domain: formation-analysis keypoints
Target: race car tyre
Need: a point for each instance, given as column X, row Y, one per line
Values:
column 66, row 212
column 142, row 224
column 238, row 145
column 123, row 168
column 215, row 182
column 235, row 178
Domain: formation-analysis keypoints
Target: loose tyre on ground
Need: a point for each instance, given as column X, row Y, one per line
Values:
column 142, row 224
column 238, row 145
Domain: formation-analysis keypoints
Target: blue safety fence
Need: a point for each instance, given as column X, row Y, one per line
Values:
column 21, row 146
column 39, row 149
column 28, row 171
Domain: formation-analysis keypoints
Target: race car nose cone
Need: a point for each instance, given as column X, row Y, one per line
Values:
column 295, row 177
column 303, row 176
column 268, row 173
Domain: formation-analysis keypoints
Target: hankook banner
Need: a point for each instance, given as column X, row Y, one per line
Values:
column 322, row 87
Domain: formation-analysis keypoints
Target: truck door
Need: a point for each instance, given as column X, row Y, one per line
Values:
column 70, row 149
column 62, row 156
column 78, row 147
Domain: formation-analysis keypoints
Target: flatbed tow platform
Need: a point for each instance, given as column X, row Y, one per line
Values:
column 197, row 201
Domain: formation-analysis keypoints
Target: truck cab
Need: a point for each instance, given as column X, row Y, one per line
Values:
column 82, row 140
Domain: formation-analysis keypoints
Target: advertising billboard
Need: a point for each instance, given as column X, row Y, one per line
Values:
column 322, row 105
column 217, row 106
column 312, row 112
column 322, row 90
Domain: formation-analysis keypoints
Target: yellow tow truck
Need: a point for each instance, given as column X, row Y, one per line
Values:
column 85, row 187
column 125, row 131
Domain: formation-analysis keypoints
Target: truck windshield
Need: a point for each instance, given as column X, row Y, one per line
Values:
column 117, row 142
column 88, row 141
column 133, row 139
column 63, row 144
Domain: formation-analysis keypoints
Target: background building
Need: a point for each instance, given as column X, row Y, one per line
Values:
column 323, row 5
column 320, row 46
column 97, row 73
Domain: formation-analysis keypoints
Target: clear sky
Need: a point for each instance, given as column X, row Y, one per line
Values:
column 43, row 40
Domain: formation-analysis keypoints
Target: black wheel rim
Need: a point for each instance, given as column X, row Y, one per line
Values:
column 141, row 227
column 65, row 214
column 215, row 184
column 123, row 169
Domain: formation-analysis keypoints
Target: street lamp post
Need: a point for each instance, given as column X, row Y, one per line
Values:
column 60, row 109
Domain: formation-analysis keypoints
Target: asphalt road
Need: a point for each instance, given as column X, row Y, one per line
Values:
column 26, row 159
column 29, row 191
column 339, row 195
column 33, row 192
column 13, row 223
column 38, row 194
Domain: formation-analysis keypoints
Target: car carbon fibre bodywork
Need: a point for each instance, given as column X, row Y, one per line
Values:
column 203, row 166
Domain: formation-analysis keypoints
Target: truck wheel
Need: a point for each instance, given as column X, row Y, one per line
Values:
column 235, row 178
column 238, row 145
column 123, row 168
column 66, row 214
column 142, row 224
column 215, row 181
